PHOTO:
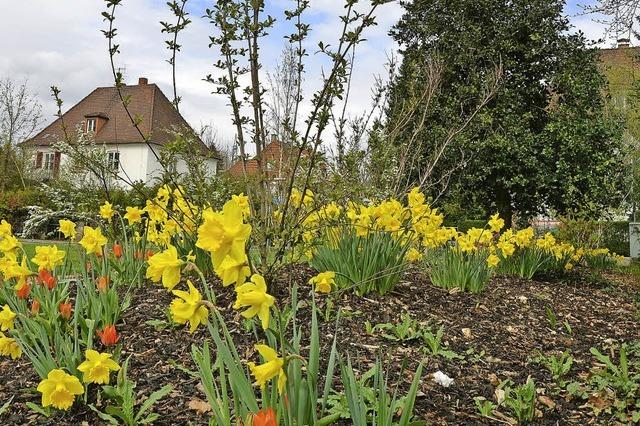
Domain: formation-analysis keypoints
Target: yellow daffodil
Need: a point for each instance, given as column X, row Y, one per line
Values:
column 323, row 281
column 7, row 316
column 224, row 234
column 496, row 223
column 59, row 389
column 524, row 237
column 48, row 257
column 9, row 347
column 415, row 197
column 93, row 240
column 17, row 270
column 493, row 260
column 272, row 367
column 243, row 202
column 507, row 249
column 163, row 194
column 233, row 271
column 106, row 211
column 5, row 229
column 188, row 308
column 254, row 295
column 331, row 211
column 9, row 244
column 68, row 228
column 165, row 266
column 155, row 211
column 97, row 367
column 466, row 243
column 413, row 255
column 133, row 215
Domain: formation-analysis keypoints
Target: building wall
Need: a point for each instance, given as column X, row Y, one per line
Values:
column 133, row 161
column 137, row 162
column 155, row 169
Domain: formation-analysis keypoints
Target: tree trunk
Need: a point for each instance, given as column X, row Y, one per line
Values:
column 503, row 203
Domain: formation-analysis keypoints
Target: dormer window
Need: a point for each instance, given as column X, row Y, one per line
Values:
column 94, row 122
column 91, row 125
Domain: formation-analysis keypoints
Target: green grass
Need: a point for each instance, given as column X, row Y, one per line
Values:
column 74, row 251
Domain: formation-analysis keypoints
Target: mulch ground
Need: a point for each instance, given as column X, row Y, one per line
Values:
column 497, row 332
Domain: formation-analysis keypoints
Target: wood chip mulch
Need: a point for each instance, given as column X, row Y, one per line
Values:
column 497, row 332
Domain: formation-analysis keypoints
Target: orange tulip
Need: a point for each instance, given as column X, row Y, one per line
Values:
column 138, row 255
column 103, row 283
column 150, row 253
column 24, row 291
column 265, row 418
column 117, row 251
column 47, row 279
column 109, row 335
column 35, row 307
column 65, row 310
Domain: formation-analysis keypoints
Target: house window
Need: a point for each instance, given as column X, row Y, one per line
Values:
column 113, row 160
column 91, row 125
column 49, row 161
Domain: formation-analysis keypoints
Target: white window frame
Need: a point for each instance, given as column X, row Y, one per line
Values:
column 48, row 161
column 113, row 160
column 91, row 125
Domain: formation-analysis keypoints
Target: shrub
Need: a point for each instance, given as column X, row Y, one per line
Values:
column 613, row 235
column 14, row 205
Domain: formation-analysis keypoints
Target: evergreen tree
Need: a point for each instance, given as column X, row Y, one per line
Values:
column 544, row 141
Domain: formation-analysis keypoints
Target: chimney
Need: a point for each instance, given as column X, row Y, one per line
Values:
column 142, row 81
column 623, row 43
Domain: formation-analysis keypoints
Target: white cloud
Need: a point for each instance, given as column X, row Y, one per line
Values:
column 60, row 43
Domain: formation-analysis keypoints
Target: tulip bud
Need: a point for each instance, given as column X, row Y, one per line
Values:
column 65, row 310
column 109, row 335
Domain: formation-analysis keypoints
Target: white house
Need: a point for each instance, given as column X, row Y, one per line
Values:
column 105, row 121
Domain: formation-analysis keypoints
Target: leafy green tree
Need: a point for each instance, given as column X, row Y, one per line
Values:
column 543, row 141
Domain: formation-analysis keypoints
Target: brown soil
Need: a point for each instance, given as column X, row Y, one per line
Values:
column 507, row 325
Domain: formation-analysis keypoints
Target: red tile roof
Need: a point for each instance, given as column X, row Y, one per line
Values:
column 274, row 157
column 146, row 101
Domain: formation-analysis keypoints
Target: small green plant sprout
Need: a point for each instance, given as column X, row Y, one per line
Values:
column 484, row 406
column 620, row 381
column 368, row 327
column 6, row 406
column 520, row 400
column 559, row 366
column 124, row 397
column 434, row 344
column 551, row 317
column 406, row 330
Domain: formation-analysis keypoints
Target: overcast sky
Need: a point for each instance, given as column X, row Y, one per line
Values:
column 59, row 43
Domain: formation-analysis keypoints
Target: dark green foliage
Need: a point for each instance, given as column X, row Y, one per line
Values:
column 14, row 205
column 543, row 141
column 613, row 235
column 465, row 225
